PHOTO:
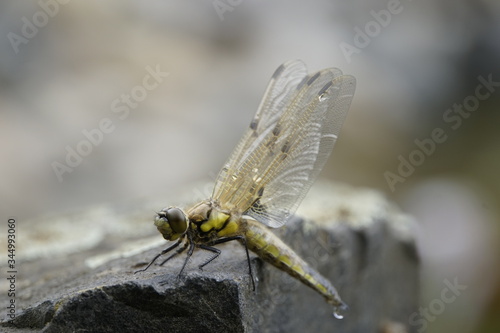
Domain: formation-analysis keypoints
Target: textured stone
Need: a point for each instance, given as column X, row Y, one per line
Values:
column 354, row 237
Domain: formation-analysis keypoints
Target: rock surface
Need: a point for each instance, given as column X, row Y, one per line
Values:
column 352, row 236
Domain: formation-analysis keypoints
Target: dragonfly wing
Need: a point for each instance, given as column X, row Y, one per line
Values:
column 281, row 87
column 275, row 170
column 311, row 126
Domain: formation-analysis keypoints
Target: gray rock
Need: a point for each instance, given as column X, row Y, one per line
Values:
column 354, row 237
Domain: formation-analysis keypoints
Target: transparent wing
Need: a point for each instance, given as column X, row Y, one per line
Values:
column 282, row 86
column 272, row 169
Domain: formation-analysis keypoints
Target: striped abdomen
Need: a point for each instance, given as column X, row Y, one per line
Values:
column 270, row 248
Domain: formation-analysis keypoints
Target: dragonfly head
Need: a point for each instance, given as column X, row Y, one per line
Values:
column 172, row 222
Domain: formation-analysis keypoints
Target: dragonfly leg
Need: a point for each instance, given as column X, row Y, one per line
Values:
column 179, row 251
column 211, row 249
column 189, row 254
column 243, row 240
column 170, row 248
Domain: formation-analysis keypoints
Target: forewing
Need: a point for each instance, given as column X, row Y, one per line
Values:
column 273, row 173
column 281, row 87
column 311, row 131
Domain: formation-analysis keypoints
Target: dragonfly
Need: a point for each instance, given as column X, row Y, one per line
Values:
column 267, row 175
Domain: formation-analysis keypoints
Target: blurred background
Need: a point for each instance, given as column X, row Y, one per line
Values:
column 423, row 127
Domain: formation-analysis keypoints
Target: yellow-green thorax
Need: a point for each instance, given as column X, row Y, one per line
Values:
column 211, row 222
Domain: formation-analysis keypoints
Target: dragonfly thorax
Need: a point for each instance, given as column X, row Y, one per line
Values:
column 172, row 222
column 207, row 216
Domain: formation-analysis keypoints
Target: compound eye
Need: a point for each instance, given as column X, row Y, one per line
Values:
column 177, row 219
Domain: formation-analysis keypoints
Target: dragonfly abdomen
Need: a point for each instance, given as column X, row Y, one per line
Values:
column 271, row 249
